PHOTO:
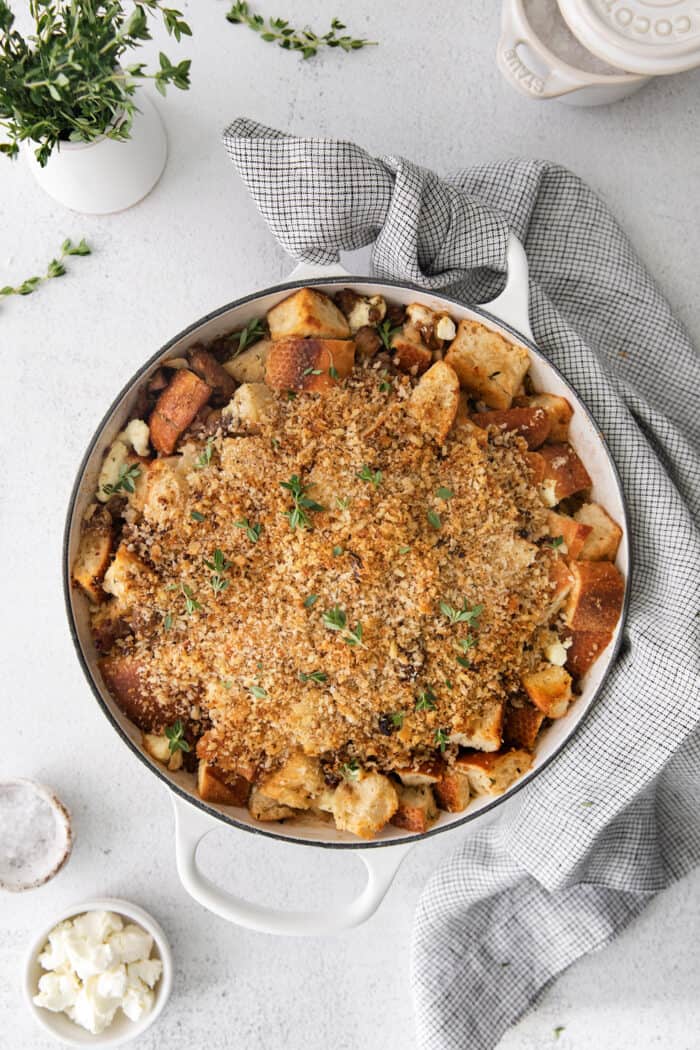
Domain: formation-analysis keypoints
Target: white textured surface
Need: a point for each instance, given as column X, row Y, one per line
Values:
column 431, row 92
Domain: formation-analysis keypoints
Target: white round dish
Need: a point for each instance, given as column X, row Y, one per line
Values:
column 122, row 1030
column 37, row 836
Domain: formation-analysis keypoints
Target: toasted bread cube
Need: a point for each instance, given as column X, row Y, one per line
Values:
column 522, row 724
column 214, row 375
column 361, row 311
column 564, row 474
column 409, row 353
column 530, row 423
column 595, row 600
column 417, row 809
column 488, row 366
column 427, row 772
column 365, row 805
column 585, row 648
column 157, row 746
column 125, row 677
column 121, row 576
column 164, row 491
column 492, row 774
column 557, row 408
column 227, row 790
column 483, row 731
column 249, row 367
column 549, row 690
column 453, row 791
column 572, row 532
column 298, row 783
column 303, row 364
column 307, row 313
column 562, row 581
column 252, row 404
column 604, row 533
column 267, row 809
column 94, row 553
column 175, row 409
column 434, row 401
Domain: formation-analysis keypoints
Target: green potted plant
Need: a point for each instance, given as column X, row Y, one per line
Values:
column 93, row 137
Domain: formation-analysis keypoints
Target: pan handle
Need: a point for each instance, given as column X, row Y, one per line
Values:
column 191, row 825
column 511, row 306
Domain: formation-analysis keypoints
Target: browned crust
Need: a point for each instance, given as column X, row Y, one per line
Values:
column 584, row 650
column 409, row 355
column 595, row 600
column 549, row 690
column 417, row 809
column 212, row 786
column 175, row 409
column 563, row 466
column 304, row 364
column 434, row 401
column 573, row 532
column 533, row 424
column 557, row 408
column 522, row 725
column 453, row 792
column 125, row 677
column 94, row 554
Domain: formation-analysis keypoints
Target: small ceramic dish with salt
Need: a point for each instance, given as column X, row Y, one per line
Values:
column 35, row 834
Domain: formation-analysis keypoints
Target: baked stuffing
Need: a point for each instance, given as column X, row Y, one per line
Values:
column 348, row 582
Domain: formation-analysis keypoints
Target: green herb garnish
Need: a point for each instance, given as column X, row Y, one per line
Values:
column 350, row 770
column 305, row 41
column 176, row 737
column 434, row 519
column 386, row 332
column 444, row 493
column 462, row 615
column 337, row 551
column 55, row 267
column 465, row 644
column 374, row 477
column 317, row 677
column 312, row 371
column 196, row 516
column 258, row 692
column 311, row 600
column 298, row 518
column 404, row 550
column 442, row 737
column 333, row 372
column 336, row 620
column 218, row 565
column 397, row 718
column 251, row 531
column 204, row 459
column 167, row 621
column 126, row 480
column 556, row 541
column 253, row 332
column 426, row 700
column 343, row 504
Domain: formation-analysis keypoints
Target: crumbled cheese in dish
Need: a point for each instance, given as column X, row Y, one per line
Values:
column 97, row 965
column 386, row 552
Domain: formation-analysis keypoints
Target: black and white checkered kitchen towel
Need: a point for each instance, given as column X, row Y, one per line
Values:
column 617, row 816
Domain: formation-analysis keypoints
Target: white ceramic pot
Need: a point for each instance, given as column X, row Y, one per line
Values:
column 106, row 175
column 533, row 70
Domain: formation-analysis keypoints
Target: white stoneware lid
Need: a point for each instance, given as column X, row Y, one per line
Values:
column 653, row 37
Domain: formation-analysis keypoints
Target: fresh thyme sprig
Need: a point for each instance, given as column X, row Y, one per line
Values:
column 462, row 615
column 278, row 31
column 336, row 620
column 442, row 737
column 54, row 269
column 191, row 603
column 317, row 677
column 258, row 692
column 126, row 480
column 298, row 518
column 176, row 737
column 426, row 700
column 251, row 531
column 204, row 459
column 465, row 644
column 386, row 332
column 253, row 332
column 374, row 477
column 218, row 565
column 350, row 770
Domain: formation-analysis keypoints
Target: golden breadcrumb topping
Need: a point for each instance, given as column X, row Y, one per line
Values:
column 408, row 607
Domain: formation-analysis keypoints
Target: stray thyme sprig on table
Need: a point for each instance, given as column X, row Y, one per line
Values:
column 54, row 269
column 305, row 41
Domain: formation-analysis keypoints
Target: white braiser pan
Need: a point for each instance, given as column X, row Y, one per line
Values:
column 508, row 314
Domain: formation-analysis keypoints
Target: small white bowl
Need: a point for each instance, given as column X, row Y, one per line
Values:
column 122, row 1030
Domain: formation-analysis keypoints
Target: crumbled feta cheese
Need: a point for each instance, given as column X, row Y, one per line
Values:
column 445, row 328
column 146, row 970
column 138, row 999
column 97, row 965
column 556, row 653
column 548, row 493
column 57, row 990
column 130, row 944
column 136, row 434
